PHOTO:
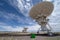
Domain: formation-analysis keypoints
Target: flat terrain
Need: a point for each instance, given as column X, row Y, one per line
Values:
column 27, row 36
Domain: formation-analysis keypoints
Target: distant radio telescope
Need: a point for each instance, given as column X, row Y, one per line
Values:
column 40, row 12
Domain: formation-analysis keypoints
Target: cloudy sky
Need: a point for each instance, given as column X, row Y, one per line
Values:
column 14, row 15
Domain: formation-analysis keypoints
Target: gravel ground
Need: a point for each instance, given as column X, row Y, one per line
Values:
column 13, row 36
column 28, row 38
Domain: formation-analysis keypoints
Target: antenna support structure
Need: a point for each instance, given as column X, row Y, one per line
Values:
column 40, row 12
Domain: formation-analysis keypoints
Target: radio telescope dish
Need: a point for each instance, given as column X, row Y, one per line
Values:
column 40, row 12
column 41, row 9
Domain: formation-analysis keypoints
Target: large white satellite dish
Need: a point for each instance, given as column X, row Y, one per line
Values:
column 41, row 9
column 40, row 12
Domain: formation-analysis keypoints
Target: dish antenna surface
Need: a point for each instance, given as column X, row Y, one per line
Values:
column 40, row 12
column 41, row 9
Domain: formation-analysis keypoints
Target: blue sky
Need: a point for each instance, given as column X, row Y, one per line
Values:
column 14, row 15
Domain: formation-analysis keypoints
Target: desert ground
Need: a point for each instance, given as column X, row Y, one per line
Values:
column 28, row 38
column 13, row 36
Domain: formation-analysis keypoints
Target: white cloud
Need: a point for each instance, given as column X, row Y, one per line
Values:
column 20, row 28
column 55, row 14
column 24, row 7
column 55, row 27
column 27, row 0
column 33, row 28
column 19, row 19
column 13, row 3
column 47, row 0
column 10, row 28
column 7, row 15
